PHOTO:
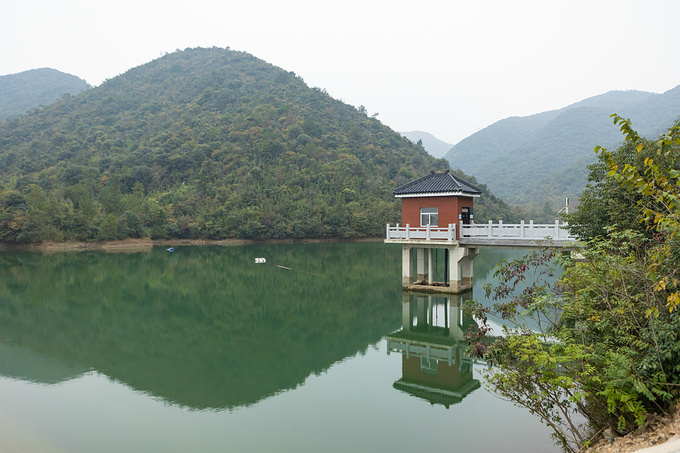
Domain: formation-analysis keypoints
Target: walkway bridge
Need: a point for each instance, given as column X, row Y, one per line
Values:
column 460, row 244
column 487, row 234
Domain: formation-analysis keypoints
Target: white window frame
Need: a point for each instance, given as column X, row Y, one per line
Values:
column 429, row 366
column 427, row 215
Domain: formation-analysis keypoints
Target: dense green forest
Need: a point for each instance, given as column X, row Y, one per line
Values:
column 205, row 143
column 600, row 348
column 541, row 158
column 30, row 89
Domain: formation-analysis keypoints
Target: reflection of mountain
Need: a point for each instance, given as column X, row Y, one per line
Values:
column 21, row 363
column 434, row 365
column 203, row 327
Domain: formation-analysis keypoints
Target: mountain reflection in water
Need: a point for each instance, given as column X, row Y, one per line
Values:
column 203, row 328
column 205, row 350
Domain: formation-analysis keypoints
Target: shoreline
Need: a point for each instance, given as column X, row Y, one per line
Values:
column 136, row 245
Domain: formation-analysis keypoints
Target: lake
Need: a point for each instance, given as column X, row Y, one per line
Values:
column 202, row 349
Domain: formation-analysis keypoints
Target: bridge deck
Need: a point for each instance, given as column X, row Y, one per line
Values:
column 489, row 235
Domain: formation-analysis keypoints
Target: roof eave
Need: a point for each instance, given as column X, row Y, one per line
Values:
column 437, row 194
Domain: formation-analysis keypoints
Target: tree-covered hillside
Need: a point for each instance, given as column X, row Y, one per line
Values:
column 543, row 157
column 29, row 89
column 202, row 143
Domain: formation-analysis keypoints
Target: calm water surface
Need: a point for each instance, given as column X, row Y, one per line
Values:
column 204, row 350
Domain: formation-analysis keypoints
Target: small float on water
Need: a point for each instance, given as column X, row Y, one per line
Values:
column 260, row 260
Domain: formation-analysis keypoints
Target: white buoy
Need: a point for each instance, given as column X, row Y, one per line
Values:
column 260, row 260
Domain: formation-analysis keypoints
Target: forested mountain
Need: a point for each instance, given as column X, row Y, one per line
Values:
column 203, row 143
column 432, row 144
column 543, row 157
column 29, row 89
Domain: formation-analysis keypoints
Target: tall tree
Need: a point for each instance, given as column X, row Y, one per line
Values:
column 605, row 341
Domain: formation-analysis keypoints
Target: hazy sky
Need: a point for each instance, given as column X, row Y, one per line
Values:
column 447, row 67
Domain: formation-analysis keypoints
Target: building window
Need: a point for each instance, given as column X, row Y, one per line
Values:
column 429, row 216
column 429, row 366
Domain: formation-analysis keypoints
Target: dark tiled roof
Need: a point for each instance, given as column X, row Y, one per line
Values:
column 435, row 183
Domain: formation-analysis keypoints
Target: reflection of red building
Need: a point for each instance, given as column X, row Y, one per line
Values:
column 434, row 364
column 435, row 380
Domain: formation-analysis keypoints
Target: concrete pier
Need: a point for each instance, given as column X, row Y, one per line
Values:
column 455, row 261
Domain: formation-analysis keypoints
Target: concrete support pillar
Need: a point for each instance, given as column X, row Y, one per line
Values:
column 466, row 270
column 421, row 264
column 455, row 277
column 460, row 267
column 466, row 265
column 406, row 266
column 457, row 267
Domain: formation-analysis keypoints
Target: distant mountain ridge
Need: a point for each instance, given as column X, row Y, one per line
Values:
column 432, row 144
column 29, row 89
column 543, row 157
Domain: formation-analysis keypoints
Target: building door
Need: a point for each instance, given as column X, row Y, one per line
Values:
column 466, row 215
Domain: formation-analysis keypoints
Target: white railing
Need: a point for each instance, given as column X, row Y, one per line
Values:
column 529, row 231
column 409, row 233
column 429, row 351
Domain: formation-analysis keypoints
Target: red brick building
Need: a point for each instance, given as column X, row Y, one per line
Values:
column 437, row 200
column 432, row 209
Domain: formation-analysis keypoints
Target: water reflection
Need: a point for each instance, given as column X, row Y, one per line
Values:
column 23, row 364
column 434, row 365
column 197, row 350
column 204, row 328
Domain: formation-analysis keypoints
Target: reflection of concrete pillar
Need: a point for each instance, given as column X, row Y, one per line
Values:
column 430, row 267
column 455, row 326
column 406, row 311
column 421, row 265
column 421, row 310
column 406, row 266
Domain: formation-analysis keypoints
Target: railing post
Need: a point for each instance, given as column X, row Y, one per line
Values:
column 408, row 232
column 557, row 229
column 500, row 228
column 450, row 238
column 387, row 232
column 521, row 229
column 428, row 232
column 490, row 228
